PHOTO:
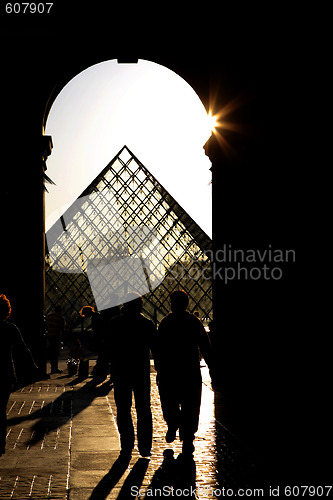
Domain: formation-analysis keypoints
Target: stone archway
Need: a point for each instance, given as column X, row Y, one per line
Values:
column 103, row 79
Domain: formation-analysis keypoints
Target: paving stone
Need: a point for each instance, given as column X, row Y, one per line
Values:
column 92, row 460
column 94, row 443
column 100, row 429
column 85, row 478
column 81, row 494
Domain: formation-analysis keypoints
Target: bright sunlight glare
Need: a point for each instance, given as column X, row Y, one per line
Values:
column 213, row 121
column 144, row 106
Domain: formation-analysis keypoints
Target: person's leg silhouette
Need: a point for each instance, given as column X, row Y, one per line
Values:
column 144, row 416
column 123, row 399
column 170, row 401
column 190, row 410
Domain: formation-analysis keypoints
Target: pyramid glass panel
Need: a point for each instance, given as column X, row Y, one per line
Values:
column 126, row 233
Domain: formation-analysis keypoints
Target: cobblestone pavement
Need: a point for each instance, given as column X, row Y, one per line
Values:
column 62, row 443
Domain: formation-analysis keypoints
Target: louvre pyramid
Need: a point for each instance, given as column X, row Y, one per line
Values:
column 126, row 233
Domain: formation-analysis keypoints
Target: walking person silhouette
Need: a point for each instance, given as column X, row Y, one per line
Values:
column 181, row 337
column 10, row 338
column 129, row 344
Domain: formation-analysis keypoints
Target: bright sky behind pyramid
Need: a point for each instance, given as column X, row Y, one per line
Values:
column 144, row 106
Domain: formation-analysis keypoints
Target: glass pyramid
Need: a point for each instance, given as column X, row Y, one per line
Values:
column 126, row 233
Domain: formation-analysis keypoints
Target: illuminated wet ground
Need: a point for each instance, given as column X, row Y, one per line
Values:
column 63, row 444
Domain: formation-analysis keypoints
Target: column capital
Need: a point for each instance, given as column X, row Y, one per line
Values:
column 213, row 149
column 46, row 146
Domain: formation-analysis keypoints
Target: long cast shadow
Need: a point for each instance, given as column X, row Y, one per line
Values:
column 132, row 482
column 59, row 411
column 175, row 477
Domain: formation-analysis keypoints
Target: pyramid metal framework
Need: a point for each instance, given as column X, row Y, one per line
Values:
column 126, row 233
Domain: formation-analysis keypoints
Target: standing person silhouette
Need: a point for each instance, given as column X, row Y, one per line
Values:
column 100, row 370
column 129, row 344
column 10, row 337
column 181, row 338
column 55, row 330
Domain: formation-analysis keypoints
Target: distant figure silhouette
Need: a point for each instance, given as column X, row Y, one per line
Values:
column 10, row 337
column 181, row 338
column 55, row 330
column 129, row 344
column 76, row 351
column 96, row 322
column 103, row 362
column 75, row 357
column 99, row 323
